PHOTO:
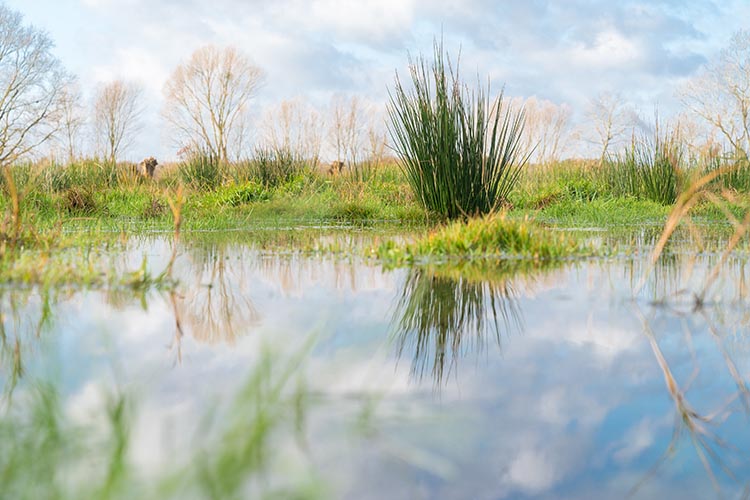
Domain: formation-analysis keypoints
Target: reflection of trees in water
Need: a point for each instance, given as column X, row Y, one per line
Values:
column 213, row 303
column 444, row 314
column 294, row 273
column 700, row 428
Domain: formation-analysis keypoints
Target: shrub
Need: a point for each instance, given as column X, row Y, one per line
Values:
column 237, row 195
column 80, row 200
column 460, row 151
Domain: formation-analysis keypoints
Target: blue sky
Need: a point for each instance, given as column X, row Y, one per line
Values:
column 563, row 51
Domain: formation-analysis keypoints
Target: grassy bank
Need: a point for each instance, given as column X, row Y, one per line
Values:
column 58, row 223
column 92, row 196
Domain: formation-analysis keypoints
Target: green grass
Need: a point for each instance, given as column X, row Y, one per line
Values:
column 736, row 176
column 459, row 150
column 489, row 237
column 571, row 193
column 649, row 170
column 273, row 167
column 201, row 171
column 604, row 213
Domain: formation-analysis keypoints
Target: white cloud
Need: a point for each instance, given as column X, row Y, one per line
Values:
column 610, row 50
column 533, row 471
column 640, row 438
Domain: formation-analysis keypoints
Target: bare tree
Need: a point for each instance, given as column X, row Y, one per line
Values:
column 296, row 127
column 116, row 117
column 72, row 120
column 610, row 119
column 345, row 129
column 208, row 99
column 31, row 86
column 546, row 130
column 699, row 137
column 377, row 140
column 720, row 94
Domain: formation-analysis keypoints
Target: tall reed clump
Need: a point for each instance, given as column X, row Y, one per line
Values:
column 273, row 167
column 201, row 170
column 649, row 169
column 90, row 173
column 735, row 172
column 461, row 151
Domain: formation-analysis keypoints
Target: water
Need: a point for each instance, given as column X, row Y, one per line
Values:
column 428, row 382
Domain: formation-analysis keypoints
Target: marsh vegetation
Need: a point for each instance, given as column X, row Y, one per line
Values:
column 404, row 322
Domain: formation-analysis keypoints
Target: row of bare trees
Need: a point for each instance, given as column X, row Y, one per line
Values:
column 209, row 99
column 352, row 130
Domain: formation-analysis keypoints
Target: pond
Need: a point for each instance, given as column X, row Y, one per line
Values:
column 298, row 373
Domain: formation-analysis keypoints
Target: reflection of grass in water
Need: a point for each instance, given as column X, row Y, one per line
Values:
column 46, row 453
column 448, row 311
column 700, row 429
column 24, row 315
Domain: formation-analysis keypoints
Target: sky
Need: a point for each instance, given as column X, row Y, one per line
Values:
column 564, row 51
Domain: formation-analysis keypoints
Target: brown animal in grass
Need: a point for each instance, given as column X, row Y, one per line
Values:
column 147, row 167
column 336, row 167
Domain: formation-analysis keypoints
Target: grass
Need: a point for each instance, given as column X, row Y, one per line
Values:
column 735, row 173
column 273, row 167
column 460, row 151
column 35, row 212
column 489, row 237
column 201, row 170
column 570, row 193
column 603, row 212
column 649, row 170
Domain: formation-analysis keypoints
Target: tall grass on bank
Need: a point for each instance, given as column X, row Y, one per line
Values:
column 650, row 169
column 460, row 151
column 735, row 172
column 273, row 167
column 86, row 173
column 201, row 170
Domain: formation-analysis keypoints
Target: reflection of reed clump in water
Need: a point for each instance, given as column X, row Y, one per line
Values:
column 443, row 317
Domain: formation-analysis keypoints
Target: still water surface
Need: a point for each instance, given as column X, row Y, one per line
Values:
column 426, row 382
